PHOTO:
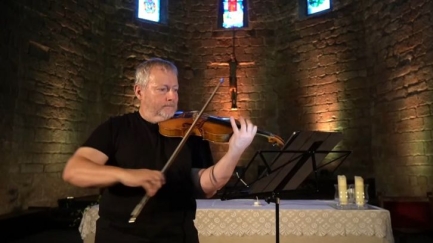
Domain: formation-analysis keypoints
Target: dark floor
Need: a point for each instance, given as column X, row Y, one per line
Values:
column 73, row 236
column 415, row 238
column 53, row 236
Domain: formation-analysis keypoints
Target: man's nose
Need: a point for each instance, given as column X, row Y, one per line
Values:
column 171, row 95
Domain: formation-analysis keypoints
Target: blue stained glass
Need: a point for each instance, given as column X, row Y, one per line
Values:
column 315, row 6
column 233, row 18
column 149, row 10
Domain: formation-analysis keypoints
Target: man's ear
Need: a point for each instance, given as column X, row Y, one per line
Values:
column 138, row 90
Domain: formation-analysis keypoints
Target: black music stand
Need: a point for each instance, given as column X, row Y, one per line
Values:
column 301, row 155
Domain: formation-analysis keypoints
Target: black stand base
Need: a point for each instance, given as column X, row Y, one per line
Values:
column 275, row 199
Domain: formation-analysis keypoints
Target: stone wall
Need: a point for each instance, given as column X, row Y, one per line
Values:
column 364, row 69
column 400, row 68
column 320, row 68
column 51, row 69
column 66, row 67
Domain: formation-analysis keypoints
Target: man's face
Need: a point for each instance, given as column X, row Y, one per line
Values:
column 158, row 99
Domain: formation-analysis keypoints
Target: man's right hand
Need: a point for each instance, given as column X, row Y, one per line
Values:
column 150, row 180
column 87, row 168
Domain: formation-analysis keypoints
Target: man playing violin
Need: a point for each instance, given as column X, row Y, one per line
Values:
column 125, row 155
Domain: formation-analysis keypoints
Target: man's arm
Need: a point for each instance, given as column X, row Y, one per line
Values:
column 215, row 177
column 86, row 168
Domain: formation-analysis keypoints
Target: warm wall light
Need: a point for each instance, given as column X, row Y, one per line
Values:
column 233, row 97
column 233, row 63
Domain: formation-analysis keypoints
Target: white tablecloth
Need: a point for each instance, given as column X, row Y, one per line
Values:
column 218, row 219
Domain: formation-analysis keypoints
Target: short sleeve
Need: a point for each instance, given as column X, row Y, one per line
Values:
column 201, row 158
column 101, row 138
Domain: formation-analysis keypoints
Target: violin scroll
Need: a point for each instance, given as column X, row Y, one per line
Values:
column 276, row 140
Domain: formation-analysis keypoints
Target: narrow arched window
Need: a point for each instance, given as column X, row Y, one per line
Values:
column 314, row 7
column 152, row 10
column 232, row 14
column 317, row 6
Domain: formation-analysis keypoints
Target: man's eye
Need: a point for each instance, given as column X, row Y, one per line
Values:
column 162, row 89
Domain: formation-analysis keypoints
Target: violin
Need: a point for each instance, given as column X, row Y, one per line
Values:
column 212, row 128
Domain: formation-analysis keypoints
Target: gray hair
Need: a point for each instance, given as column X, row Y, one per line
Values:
column 143, row 70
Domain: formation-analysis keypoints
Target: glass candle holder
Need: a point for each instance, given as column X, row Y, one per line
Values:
column 351, row 194
column 361, row 196
column 366, row 196
column 341, row 197
column 336, row 195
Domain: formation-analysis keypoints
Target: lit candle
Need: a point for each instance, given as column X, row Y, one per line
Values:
column 342, row 189
column 359, row 191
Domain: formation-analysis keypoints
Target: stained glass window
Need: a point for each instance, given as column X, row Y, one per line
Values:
column 316, row 6
column 149, row 10
column 233, row 14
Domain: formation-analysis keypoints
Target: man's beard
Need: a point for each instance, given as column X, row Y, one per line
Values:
column 167, row 115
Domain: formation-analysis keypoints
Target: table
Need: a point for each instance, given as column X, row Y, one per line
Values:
column 300, row 221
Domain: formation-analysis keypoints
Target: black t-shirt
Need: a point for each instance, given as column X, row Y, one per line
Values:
column 129, row 141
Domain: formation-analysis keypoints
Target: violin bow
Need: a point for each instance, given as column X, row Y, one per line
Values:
column 145, row 199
